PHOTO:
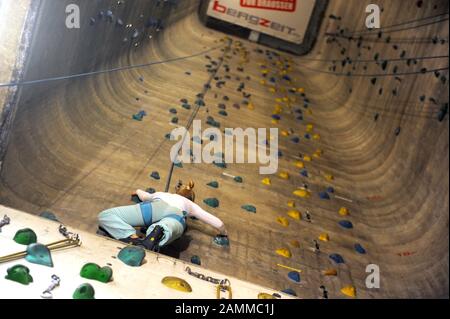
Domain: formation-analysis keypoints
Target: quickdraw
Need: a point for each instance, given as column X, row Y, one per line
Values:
column 5, row 221
column 223, row 285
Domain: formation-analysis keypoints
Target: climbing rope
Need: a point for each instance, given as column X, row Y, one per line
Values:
column 123, row 68
column 194, row 113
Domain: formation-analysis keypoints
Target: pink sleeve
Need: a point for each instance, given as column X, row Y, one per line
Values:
column 204, row 216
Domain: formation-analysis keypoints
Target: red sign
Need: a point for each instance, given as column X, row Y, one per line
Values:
column 279, row 5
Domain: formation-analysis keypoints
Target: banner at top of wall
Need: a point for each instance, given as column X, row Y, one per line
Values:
column 284, row 19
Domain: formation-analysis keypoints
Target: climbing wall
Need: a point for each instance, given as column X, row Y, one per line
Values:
column 83, row 272
column 363, row 159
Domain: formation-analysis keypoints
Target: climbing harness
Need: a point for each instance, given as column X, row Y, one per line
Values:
column 47, row 294
column 223, row 285
column 5, row 221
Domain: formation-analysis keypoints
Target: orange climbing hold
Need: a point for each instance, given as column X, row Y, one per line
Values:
column 302, row 193
column 343, row 211
column 324, row 237
column 283, row 221
column 295, row 214
column 349, row 291
column 285, row 133
column 330, row 272
column 284, row 175
column 284, row 252
column 300, row 164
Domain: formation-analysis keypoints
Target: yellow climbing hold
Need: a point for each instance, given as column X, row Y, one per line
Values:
column 267, row 181
column 302, row 193
column 295, row 214
column 263, row 82
column 316, row 136
column 263, row 295
column 250, row 106
column 278, row 100
column 330, row 272
column 318, row 153
column 295, row 243
column 301, row 90
column 349, row 291
column 283, row 221
column 274, row 121
column 285, row 252
column 309, row 128
column 329, row 177
column 343, row 211
column 284, row 175
column 300, row 164
column 324, row 237
column 291, row 203
column 307, row 158
column 177, row 284
column 272, row 90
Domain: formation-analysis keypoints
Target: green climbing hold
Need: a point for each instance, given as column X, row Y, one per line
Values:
column 179, row 164
column 132, row 256
column 84, row 291
column 212, row 202
column 39, row 254
column 196, row 260
column 20, row 274
column 174, row 120
column 238, row 179
column 94, row 272
column 213, row 184
column 25, row 236
column 220, row 164
column 249, row 208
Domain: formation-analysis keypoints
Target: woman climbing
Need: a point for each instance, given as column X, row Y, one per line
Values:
column 163, row 213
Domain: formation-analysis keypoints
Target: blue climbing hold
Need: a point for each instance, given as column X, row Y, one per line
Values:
column 196, row 260
column 276, row 117
column 294, row 276
column 337, row 258
column 150, row 190
column 307, row 136
column 212, row 202
column 280, row 154
column 222, row 241
column 346, row 224
column 304, row 172
column 324, row 195
column 213, row 184
column 249, row 208
column 48, row 215
column 359, row 249
column 330, row 190
column 295, row 140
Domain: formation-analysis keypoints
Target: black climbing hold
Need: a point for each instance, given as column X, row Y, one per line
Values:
column 155, row 175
